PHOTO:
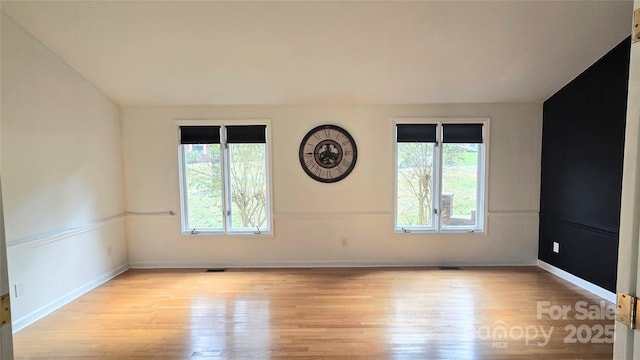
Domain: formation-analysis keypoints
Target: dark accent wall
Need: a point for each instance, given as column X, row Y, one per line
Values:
column 581, row 180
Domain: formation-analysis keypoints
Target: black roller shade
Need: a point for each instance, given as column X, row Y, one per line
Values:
column 462, row 133
column 199, row 134
column 249, row 134
column 416, row 132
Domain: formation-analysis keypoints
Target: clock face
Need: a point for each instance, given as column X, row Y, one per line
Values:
column 328, row 153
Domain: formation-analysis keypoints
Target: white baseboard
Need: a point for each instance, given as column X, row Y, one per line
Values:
column 19, row 324
column 594, row 289
column 306, row 264
column 270, row 264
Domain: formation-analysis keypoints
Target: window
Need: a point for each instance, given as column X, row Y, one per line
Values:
column 224, row 179
column 440, row 170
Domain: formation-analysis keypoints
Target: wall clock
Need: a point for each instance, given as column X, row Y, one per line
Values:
column 328, row 153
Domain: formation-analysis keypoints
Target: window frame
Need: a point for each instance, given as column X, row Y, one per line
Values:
column 227, row 228
column 482, row 183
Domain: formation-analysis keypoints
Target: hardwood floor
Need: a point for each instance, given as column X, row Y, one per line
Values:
column 414, row 313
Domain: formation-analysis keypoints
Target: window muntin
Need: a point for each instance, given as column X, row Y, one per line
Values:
column 224, row 179
column 439, row 176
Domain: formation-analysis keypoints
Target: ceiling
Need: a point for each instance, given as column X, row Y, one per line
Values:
column 326, row 52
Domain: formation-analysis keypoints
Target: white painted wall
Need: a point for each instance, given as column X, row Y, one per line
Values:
column 311, row 218
column 62, row 169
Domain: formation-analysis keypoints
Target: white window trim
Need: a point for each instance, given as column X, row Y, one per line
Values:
column 182, row 188
column 483, row 183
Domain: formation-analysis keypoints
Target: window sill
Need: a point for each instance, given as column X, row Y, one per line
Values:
column 447, row 231
column 232, row 234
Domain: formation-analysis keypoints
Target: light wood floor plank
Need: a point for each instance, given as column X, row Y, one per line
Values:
column 405, row 313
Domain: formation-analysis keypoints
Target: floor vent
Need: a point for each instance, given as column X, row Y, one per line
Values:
column 449, row 268
column 216, row 270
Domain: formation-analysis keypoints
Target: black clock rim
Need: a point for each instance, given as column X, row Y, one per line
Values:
column 301, row 153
